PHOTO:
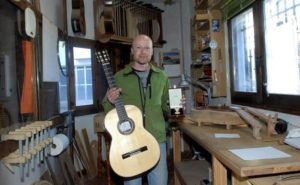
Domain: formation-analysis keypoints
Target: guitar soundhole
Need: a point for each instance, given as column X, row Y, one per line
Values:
column 126, row 127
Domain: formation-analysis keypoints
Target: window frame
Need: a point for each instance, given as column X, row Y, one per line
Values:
column 262, row 99
column 83, row 109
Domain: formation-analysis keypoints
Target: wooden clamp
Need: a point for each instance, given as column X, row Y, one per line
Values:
column 39, row 145
column 47, row 140
column 36, row 136
column 33, row 131
column 32, row 149
column 249, row 119
column 228, row 118
column 271, row 121
column 43, row 133
column 27, row 136
column 16, row 157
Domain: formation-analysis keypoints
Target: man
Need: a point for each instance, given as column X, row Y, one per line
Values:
column 145, row 86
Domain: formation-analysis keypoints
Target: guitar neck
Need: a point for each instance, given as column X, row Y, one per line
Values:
column 122, row 114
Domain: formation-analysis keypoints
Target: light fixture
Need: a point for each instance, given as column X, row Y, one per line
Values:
column 183, row 82
column 186, row 80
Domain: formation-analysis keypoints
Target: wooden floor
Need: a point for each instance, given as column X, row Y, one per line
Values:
column 118, row 180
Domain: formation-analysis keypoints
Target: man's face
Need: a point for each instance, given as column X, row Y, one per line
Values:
column 142, row 50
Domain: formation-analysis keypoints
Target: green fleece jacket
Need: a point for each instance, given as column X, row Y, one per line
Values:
column 154, row 104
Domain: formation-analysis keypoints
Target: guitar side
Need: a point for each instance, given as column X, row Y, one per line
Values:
column 138, row 150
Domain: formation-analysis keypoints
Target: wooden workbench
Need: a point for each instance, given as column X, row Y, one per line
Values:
column 223, row 159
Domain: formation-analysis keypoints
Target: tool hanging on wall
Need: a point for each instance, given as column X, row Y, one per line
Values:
column 27, row 90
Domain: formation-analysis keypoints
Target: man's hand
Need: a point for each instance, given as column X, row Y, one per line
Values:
column 113, row 94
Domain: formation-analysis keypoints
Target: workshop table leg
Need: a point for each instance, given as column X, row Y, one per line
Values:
column 219, row 172
column 176, row 152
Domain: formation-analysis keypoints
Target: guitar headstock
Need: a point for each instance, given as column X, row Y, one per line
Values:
column 102, row 57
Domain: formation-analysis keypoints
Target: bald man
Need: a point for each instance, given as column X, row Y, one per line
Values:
column 145, row 86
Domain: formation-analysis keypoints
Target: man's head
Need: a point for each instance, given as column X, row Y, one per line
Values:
column 142, row 49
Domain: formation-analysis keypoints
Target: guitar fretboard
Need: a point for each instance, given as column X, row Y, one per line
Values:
column 122, row 114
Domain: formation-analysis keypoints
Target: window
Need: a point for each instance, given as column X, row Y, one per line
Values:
column 282, row 37
column 83, row 77
column 243, row 55
column 264, row 55
column 63, row 80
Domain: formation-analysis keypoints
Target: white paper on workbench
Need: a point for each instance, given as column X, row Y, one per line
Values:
column 259, row 153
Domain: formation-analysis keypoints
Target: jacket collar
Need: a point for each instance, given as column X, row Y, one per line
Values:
column 128, row 69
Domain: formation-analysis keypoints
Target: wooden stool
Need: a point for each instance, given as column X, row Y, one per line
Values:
column 101, row 132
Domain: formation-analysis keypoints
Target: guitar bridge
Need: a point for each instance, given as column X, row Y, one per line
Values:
column 134, row 152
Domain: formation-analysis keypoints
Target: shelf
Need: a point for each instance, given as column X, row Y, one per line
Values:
column 215, row 4
column 203, row 34
column 202, row 24
column 193, row 171
column 199, row 17
column 120, row 40
column 200, row 64
column 130, row 19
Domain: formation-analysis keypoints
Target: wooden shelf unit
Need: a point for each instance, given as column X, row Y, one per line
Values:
column 208, row 46
column 122, row 20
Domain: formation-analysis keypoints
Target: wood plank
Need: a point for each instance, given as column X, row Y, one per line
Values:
column 83, row 155
column 78, row 163
column 94, row 149
column 53, row 175
column 254, row 123
column 219, row 117
column 89, row 150
column 268, row 119
column 68, row 169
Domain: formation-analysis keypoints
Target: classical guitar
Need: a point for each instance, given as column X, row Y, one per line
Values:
column 133, row 150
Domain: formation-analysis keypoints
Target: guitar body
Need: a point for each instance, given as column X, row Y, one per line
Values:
column 131, row 153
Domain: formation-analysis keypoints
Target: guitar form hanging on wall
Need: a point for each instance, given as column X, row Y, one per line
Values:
column 133, row 150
